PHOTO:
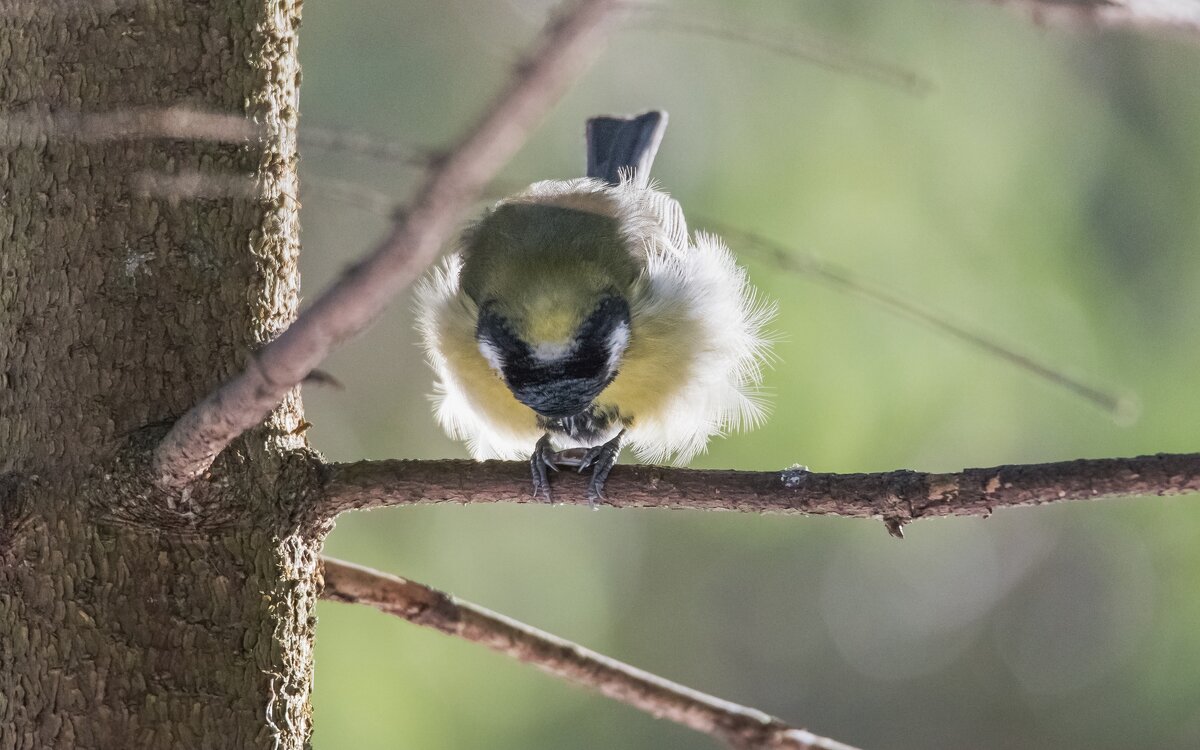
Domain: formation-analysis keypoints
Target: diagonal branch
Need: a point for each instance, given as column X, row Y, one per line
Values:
column 737, row 726
column 1122, row 407
column 568, row 46
column 897, row 497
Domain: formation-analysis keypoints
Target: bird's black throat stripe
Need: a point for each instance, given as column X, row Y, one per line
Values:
column 561, row 387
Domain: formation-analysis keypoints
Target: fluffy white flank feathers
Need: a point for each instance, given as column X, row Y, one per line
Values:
column 696, row 349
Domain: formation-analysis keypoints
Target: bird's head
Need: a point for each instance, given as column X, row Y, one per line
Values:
column 556, row 355
column 552, row 285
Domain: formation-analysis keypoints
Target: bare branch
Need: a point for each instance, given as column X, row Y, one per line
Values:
column 1122, row 407
column 569, row 44
column 738, row 726
column 825, row 53
column 897, row 497
column 361, row 144
column 353, row 194
column 180, row 123
column 1179, row 15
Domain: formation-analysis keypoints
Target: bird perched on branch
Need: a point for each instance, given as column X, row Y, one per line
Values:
column 578, row 314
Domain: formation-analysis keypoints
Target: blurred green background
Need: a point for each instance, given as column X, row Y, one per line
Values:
column 1046, row 191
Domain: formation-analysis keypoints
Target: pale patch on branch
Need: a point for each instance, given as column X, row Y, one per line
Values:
column 737, row 726
column 568, row 45
column 1178, row 15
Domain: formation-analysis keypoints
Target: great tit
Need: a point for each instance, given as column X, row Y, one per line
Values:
column 577, row 314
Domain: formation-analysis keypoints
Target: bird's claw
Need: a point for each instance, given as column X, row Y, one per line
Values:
column 540, row 463
column 600, row 459
column 589, row 458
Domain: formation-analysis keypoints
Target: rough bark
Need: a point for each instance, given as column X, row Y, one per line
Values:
column 129, row 619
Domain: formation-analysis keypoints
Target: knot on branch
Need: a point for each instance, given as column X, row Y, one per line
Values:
column 252, row 482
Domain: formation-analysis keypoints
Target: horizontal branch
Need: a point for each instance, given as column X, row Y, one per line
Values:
column 897, row 497
column 738, row 726
column 347, row 308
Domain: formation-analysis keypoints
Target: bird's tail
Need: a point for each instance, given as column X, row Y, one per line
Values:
column 618, row 145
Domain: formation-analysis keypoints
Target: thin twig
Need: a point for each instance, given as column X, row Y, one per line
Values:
column 897, row 497
column 1122, row 407
column 178, row 122
column 824, row 53
column 349, row 193
column 737, row 726
column 569, row 44
column 1177, row 15
column 362, row 144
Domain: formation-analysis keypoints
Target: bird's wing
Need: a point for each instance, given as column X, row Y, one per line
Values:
column 668, row 214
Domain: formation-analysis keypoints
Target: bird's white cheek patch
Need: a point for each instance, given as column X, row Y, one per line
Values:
column 618, row 340
column 490, row 354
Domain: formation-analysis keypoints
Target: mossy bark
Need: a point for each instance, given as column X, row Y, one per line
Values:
column 129, row 618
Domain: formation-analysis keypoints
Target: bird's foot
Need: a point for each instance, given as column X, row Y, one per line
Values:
column 601, row 459
column 540, row 464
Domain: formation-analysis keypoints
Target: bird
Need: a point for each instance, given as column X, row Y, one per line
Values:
column 579, row 316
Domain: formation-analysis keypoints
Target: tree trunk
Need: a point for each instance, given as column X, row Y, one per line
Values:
column 130, row 618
